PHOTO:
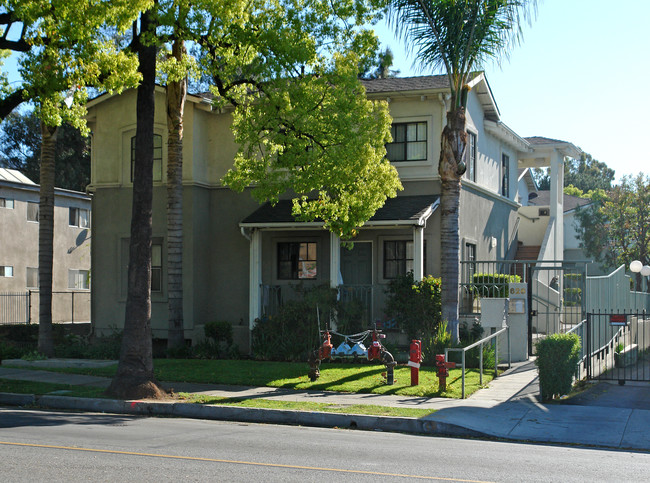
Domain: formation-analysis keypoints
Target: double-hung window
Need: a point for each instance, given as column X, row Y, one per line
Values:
column 79, row 217
column 156, row 267
column 470, row 157
column 409, row 142
column 505, row 175
column 297, row 260
column 157, row 157
column 31, row 275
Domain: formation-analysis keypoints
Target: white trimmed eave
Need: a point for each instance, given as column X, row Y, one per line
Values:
column 313, row 225
column 484, row 93
column 502, row 132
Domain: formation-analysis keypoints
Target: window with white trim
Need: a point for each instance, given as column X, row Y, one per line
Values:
column 297, row 260
column 32, row 211
column 409, row 142
column 79, row 279
column 7, row 203
column 505, row 175
column 398, row 258
column 470, row 157
column 157, row 157
column 79, row 217
column 6, row 271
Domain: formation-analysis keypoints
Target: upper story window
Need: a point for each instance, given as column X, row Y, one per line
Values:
column 505, row 175
column 470, row 157
column 7, row 203
column 297, row 260
column 32, row 211
column 6, row 271
column 409, row 142
column 157, row 157
column 79, row 217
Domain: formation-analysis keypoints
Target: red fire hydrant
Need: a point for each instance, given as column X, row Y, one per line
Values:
column 415, row 357
column 443, row 370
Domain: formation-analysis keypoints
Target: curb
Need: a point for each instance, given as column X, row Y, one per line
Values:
column 245, row 415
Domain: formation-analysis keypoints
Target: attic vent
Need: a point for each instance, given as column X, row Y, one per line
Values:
column 544, row 212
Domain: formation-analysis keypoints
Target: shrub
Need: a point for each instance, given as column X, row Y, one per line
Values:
column 220, row 331
column 292, row 333
column 416, row 306
column 493, row 284
column 557, row 357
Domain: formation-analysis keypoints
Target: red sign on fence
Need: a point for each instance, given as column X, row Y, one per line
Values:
column 618, row 319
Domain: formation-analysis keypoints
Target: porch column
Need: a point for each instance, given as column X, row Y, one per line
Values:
column 335, row 260
column 557, row 203
column 255, row 276
column 418, row 253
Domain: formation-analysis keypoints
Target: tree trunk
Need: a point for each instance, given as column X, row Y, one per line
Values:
column 135, row 376
column 46, row 240
column 451, row 169
column 176, row 94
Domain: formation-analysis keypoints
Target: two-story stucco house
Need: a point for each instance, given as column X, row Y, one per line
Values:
column 240, row 259
column 19, row 199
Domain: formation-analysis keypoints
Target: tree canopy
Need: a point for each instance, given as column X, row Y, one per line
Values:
column 586, row 174
column 615, row 228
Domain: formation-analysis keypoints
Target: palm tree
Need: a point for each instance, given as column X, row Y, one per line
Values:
column 176, row 95
column 457, row 36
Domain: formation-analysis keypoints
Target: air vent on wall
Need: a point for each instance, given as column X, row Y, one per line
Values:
column 544, row 212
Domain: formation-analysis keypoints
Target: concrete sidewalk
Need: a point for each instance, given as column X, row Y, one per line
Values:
column 507, row 409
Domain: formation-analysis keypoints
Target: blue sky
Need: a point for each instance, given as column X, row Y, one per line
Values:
column 579, row 75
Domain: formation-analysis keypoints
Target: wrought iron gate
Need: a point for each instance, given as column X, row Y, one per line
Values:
column 555, row 292
column 617, row 346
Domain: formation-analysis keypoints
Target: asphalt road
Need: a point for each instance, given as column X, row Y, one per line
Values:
column 58, row 446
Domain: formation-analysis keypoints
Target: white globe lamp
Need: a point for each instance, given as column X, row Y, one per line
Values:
column 636, row 266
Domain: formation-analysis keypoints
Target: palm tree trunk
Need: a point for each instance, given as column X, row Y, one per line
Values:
column 46, row 240
column 176, row 94
column 135, row 376
column 451, row 168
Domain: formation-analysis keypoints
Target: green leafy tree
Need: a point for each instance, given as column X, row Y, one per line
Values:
column 456, row 36
column 64, row 52
column 20, row 146
column 289, row 68
column 586, row 174
column 615, row 228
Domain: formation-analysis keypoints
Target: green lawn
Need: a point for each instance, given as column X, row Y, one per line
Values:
column 359, row 378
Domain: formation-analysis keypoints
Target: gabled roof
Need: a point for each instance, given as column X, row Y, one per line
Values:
column 570, row 202
column 14, row 176
column 423, row 84
column 403, row 210
column 565, row 147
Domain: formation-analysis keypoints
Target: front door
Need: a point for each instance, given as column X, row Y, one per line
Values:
column 356, row 278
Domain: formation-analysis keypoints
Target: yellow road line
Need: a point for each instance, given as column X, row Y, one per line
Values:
column 251, row 463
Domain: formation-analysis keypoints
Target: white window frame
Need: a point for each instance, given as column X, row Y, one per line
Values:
column 471, row 156
column 6, row 271
column 75, row 218
column 81, row 279
column 427, row 128
column 7, row 203
column 505, row 175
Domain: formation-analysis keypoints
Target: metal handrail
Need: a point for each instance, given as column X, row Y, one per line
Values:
column 480, row 343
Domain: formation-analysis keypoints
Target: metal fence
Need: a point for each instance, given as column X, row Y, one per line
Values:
column 23, row 307
column 616, row 346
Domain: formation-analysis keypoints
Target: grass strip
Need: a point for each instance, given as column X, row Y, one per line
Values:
column 352, row 378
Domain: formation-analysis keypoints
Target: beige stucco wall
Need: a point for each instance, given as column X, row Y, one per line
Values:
column 19, row 242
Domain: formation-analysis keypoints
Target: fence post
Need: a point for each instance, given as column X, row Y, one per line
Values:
column 72, row 308
column 588, row 346
column 29, row 307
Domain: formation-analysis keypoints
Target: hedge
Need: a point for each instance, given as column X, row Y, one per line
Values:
column 557, row 358
column 493, row 284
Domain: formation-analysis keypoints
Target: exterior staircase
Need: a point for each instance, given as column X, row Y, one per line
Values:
column 525, row 252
